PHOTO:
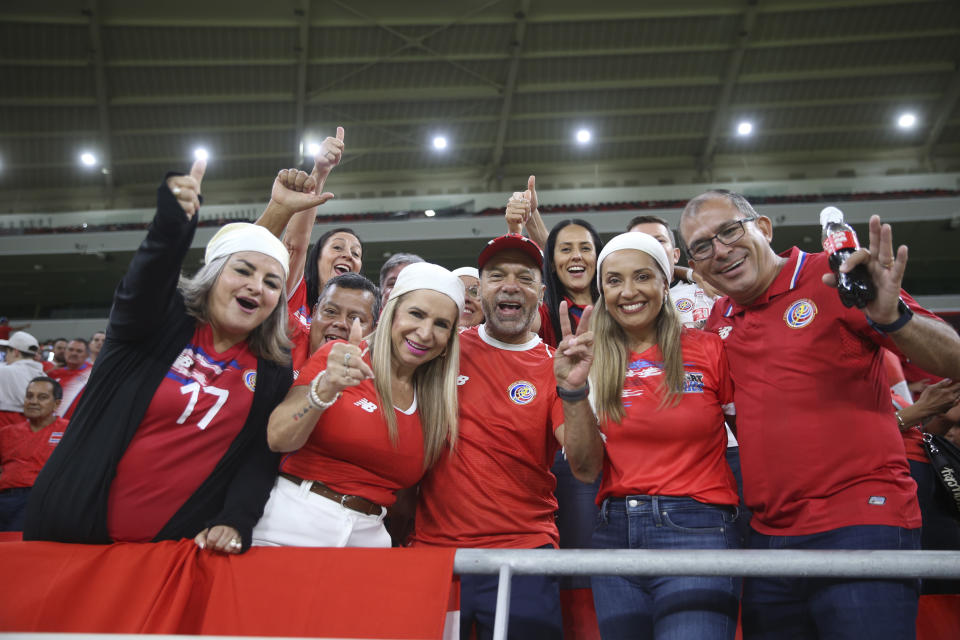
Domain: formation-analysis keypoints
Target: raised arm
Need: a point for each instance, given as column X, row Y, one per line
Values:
column 579, row 435
column 294, row 200
column 522, row 213
column 150, row 282
column 292, row 422
column 929, row 343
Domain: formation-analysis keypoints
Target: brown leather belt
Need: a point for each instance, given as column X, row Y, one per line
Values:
column 356, row 503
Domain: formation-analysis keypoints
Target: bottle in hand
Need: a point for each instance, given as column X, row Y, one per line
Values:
column 839, row 241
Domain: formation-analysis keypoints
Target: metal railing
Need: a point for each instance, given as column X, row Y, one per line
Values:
column 739, row 562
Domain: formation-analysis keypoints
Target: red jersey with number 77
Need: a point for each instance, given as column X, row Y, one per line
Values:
column 197, row 411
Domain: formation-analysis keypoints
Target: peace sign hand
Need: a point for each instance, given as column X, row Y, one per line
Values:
column 574, row 355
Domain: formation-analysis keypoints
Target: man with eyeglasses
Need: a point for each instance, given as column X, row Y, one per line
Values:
column 822, row 458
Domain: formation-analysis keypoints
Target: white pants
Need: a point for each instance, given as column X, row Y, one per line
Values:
column 296, row 517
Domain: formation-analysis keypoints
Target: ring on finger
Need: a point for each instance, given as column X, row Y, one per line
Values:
column 176, row 191
column 346, row 359
column 888, row 265
column 234, row 544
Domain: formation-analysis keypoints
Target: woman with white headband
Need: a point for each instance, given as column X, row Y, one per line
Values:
column 366, row 418
column 661, row 393
column 169, row 439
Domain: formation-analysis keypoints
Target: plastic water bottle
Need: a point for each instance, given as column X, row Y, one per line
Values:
column 839, row 241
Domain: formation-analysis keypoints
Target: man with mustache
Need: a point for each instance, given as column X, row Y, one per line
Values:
column 496, row 490
column 822, row 459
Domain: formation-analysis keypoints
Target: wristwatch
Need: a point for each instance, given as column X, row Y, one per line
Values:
column 905, row 315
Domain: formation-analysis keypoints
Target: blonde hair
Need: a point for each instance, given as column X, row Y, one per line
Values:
column 435, row 383
column 268, row 340
column 608, row 371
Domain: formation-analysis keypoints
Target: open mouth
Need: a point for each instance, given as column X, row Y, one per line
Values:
column 509, row 308
column 416, row 348
column 633, row 308
column 576, row 271
column 248, row 304
column 341, row 269
column 330, row 337
column 733, row 266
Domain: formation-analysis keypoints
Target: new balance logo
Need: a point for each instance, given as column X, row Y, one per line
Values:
column 366, row 405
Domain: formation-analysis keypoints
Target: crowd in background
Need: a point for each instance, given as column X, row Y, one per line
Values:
column 671, row 389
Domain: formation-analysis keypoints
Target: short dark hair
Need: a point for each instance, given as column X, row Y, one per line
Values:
column 57, row 389
column 313, row 256
column 58, row 340
column 86, row 343
column 653, row 220
column 358, row 283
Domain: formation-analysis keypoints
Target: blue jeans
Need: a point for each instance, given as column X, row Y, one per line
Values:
column 534, row 607
column 673, row 607
column 776, row 608
column 13, row 508
column 576, row 514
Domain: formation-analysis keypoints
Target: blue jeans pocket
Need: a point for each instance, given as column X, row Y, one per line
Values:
column 703, row 519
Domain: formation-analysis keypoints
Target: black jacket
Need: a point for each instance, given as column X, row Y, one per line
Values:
column 148, row 329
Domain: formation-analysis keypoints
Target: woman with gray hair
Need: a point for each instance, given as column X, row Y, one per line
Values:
column 169, row 439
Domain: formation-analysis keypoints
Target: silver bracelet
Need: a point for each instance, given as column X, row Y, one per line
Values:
column 313, row 399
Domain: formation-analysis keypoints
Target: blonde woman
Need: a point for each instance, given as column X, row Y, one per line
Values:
column 661, row 392
column 350, row 456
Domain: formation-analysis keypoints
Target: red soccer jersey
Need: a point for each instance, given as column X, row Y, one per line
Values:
column 196, row 413
column 23, row 452
column 496, row 490
column 298, row 326
column 73, row 382
column 819, row 446
column 677, row 450
column 349, row 449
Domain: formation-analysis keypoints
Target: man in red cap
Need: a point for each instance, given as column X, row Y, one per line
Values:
column 496, row 490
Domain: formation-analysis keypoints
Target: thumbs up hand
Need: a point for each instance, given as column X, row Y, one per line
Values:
column 518, row 212
column 345, row 365
column 331, row 151
column 186, row 189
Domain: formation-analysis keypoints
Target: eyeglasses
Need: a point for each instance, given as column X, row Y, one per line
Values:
column 473, row 292
column 703, row 249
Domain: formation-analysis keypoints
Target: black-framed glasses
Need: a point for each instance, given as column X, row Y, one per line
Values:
column 703, row 249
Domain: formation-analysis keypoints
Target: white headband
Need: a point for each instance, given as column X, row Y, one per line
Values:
column 424, row 275
column 467, row 271
column 243, row 236
column 641, row 242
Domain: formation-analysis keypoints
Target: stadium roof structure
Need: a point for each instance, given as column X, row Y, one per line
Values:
column 660, row 85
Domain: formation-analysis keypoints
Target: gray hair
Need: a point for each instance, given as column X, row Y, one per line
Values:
column 396, row 260
column 268, row 340
column 736, row 200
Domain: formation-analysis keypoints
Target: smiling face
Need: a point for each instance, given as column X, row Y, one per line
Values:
column 575, row 259
column 423, row 323
column 342, row 253
column 389, row 281
column 634, row 290
column 39, row 403
column 472, row 312
column 335, row 314
column 510, row 290
column 742, row 270
column 244, row 295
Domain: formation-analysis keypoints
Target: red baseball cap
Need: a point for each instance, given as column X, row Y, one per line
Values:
column 511, row 241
